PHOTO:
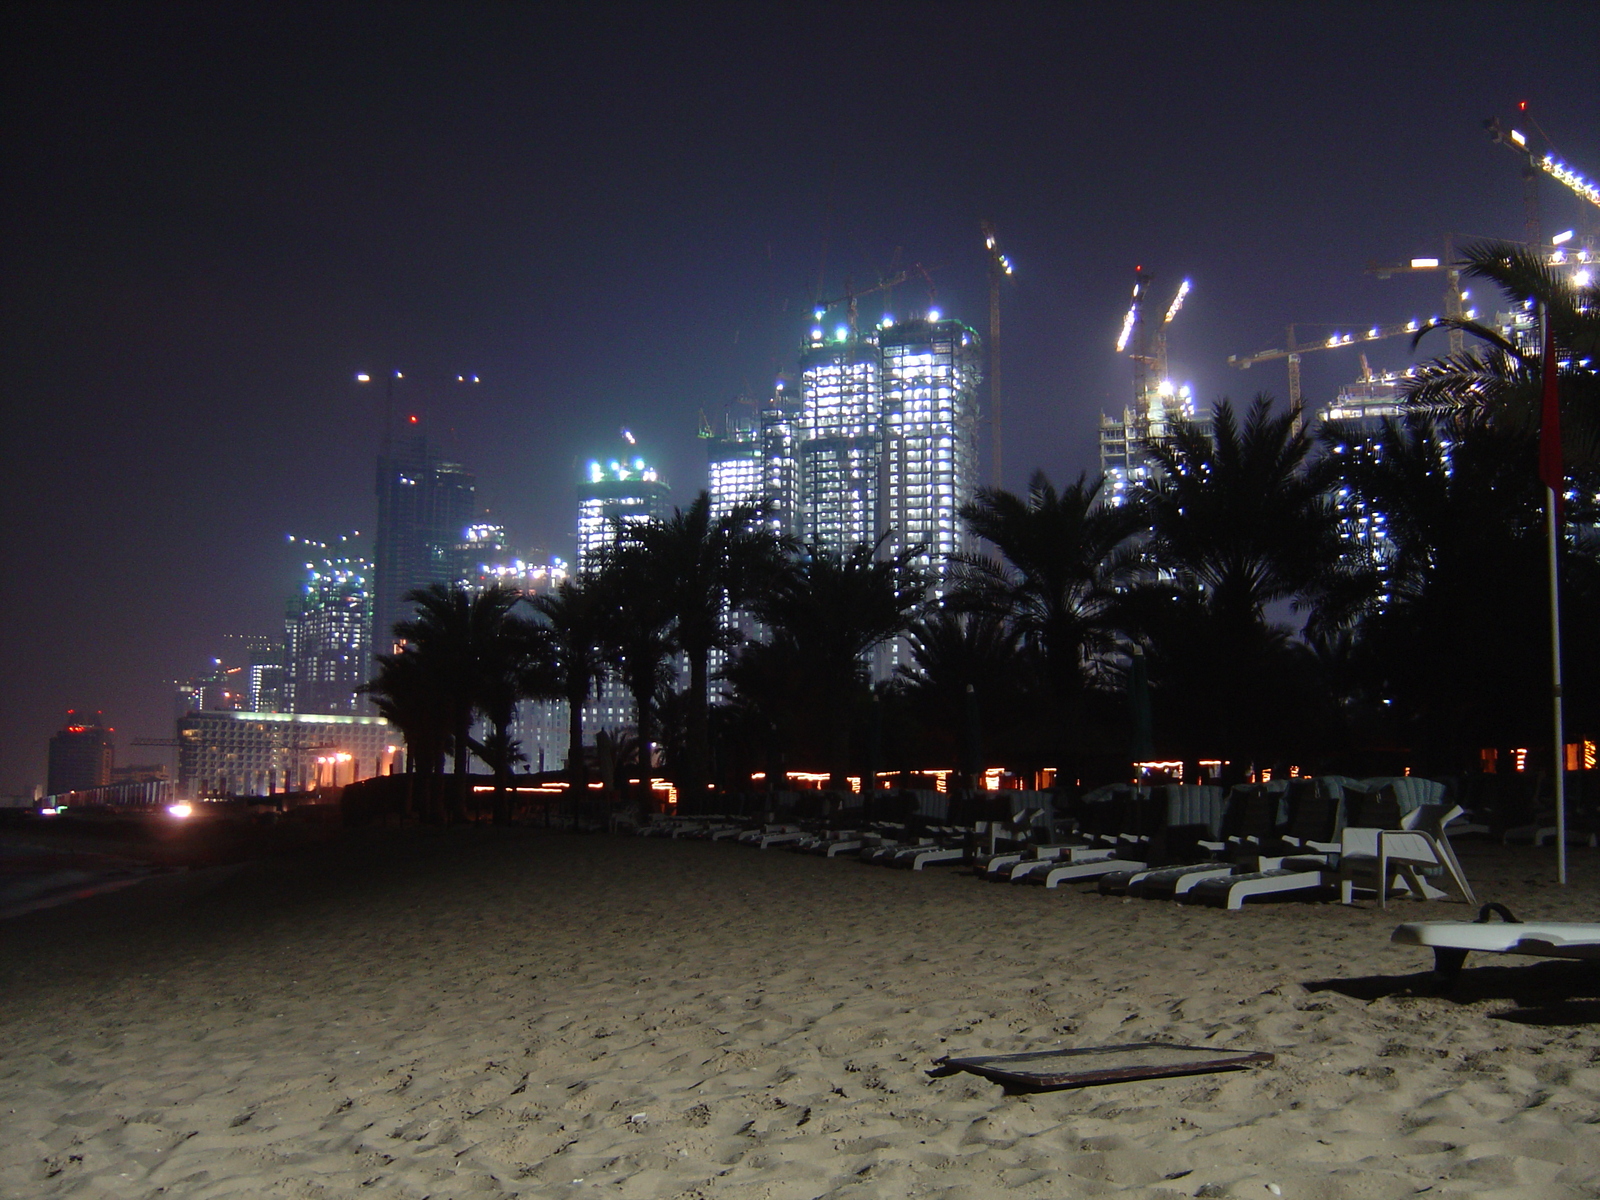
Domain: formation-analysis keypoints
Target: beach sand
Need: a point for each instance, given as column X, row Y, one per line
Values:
column 481, row 1013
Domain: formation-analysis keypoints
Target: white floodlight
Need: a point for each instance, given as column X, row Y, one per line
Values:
column 1582, row 278
column 1424, row 264
column 1561, row 238
column 1553, row 166
column 1177, row 301
column 1127, row 329
column 1518, row 138
column 363, row 378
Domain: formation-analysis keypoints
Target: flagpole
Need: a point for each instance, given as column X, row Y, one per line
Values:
column 1551, row 474
column 1551, row 508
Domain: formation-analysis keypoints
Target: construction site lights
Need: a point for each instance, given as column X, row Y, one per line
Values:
column 1424, row 264
column 1127, row 329
column 1177, row 302
column 1555, row 167
column 1562, row 238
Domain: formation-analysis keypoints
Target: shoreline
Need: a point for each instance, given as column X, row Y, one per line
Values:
column 482, row 1012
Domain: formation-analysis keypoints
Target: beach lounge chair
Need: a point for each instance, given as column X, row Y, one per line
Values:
column 1197, row 819
column 1306, row 854
column 1005, row 837
column 1142, row 818
column 771, row 835
column 1452, row 941
column 1391, row 849
column 1013, row 865
column 950, row 844
column 1251, row 818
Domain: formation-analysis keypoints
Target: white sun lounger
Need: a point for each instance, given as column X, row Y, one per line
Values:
column 1054, row 875
column 1162, row 881
column 1452, row 941
column 1056, row 856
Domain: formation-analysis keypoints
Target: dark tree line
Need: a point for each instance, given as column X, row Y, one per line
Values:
column 1269, row 638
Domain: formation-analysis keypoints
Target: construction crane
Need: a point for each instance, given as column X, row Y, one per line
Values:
column 1516, row 141
column 1293, row 349
column 1454, row 295
column 999, row 268
column 1149, row 352
column 851, row 295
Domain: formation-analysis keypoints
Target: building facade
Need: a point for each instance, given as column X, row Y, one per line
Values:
column 840, row 447
column 733, row 465
column 327, row 632
column 425, row 505
column 622, row 490
column 81, row 755
column 258, row 754
column 1125, row 460
column 931, row 372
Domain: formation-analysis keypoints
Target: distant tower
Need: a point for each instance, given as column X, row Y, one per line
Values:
column 327, row 630
column 733, row 469
column 424, row 507
column 840, row 440
column 778, row 429
column 931, row 373
column 623, row 489
column 80, row 755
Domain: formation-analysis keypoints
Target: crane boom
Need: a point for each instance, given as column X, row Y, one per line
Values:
column 851, row 295
column 1292, row 350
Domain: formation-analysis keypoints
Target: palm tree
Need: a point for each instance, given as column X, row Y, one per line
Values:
column 1453, row 641
column 1238, row 521
column 462, row 639
column 1062, row 556
column 963, row 664
column 703, row 570
column 635, row 633
column 568, row 644
column 1497, row 379
column 406, row 697
column 516, row 670
column 827, row 612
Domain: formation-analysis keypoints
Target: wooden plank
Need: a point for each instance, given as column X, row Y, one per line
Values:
column 1080, row 1066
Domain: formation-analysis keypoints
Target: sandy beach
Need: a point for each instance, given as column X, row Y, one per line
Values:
column 481, row 1013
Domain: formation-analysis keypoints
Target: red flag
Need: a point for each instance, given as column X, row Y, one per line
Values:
column 1550, row 418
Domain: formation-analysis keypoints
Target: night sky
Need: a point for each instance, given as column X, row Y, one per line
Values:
column 215, row 216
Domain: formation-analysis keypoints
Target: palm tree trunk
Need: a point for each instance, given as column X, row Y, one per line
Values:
column 642, row 758
column 577, row 774
column 697, row 723
column 463, row 779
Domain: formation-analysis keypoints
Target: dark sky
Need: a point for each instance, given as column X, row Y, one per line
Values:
column 214, row 216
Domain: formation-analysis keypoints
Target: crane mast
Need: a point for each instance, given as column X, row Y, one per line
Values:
column 999, row 268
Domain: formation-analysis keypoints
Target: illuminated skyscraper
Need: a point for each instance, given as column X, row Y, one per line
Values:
column 1125, row 460
column 327, row 631
column 424, row 507
column 931, row 371
column 621, row 490
column 778, row 427
column 840, row 444
column 733, row 473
